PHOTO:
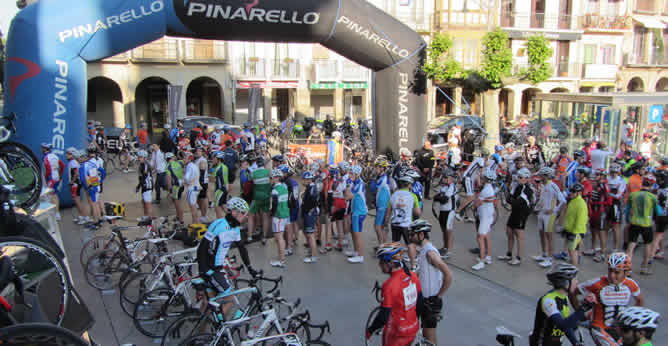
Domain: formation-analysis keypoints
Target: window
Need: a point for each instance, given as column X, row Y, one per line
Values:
column 445, row 4
column 471, row 53
column 589, row 53
column 593, row 6
column 608, row 54
column 459, row 50
column 645, row 5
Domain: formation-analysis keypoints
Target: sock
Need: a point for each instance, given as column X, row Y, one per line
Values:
column 509, row 254
column 519, row 258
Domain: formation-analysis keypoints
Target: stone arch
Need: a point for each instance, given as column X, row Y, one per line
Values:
column 527, row 94
column 204, row 96
column 635, row 84
column 662, row 84
column 105, row 102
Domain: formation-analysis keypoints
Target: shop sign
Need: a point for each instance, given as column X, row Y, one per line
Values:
column 268, row 84
column 339, row 85
column 557, row 36
column 655, row 114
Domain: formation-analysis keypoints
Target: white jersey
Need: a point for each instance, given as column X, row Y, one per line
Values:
column 598, row 157
column 451, row 192
column 191, row 176
column 431, row 278
column 158, row 162
column 402, row 203
column 53, row 166
column 72, row 164
column 475, row 167
column 617, row 186
column 199, row 162
column 486, row 209
column 551, row 198
column 98, row 162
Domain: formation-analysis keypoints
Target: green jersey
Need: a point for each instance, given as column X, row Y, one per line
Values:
column 175, row 169
column 261, row 184
column 642, row 205
column 545, row 331
column 279, row 196
column 220, row 173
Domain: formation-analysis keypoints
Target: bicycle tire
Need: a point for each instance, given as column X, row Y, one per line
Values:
column 185, row 327
column 156, row 310
column 59, row 268
column 134, row 288
column 43, row 334
column 27, row 172
column 105, row 268
column 377, row 338
column 301, row 328
column 97, row 243
column 199, row 340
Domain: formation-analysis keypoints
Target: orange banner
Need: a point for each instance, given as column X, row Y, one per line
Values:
column 312, row 151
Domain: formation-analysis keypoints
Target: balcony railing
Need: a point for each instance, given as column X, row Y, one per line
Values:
column 598, row 22
column 251, row 68
column 326, row 71
column 419, row 23
column 468, row 19
column 163, row 50
column 561, row 70
column 204, row 51
column 123, row 57
column 285, row 69
column 537, row 21
column 352, row 72
column 645, row 59
column 600, row 71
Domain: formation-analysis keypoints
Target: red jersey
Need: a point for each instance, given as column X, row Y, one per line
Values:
column 611, row 299
column 400, row 293
column 586, row 192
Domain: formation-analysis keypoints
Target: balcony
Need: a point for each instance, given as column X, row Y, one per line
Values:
column 250, row 68
column 645, row 60
column 645, row 6
column 600, row 71
column 204, row 52
column 537, row 21
column 326, row 71
column 450, row 19
column 285, row 69
column 561, row 70
column 161, row 51
column 352, row 72
column 595, row 22
column 122, row 58
column 419, row 23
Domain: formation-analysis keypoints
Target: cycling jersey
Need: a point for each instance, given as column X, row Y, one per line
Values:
column 571, row 169
column 293, row 192
column 310, row 200
column 72, row 166
column 191, row 178
column 495, row 161
column 617, row 187
column 642, row 207
column 634, row 183
column 53, row 167
column 250, row 140
column 474, row 168
column 90, row 175
column 261, row 184
column 551, row 198
column 534, row 155
column 662, row 198
column 611, row 299
column 359, row 198
column 221, row 176
column 382, row 191
column 449, row 191
column 403, row 202
column 175, row 170
column 545, row 331
column 215, row 244
column 562, row 163
column 418, row 190
column 400, row 293
column 203, row 172
column 145, row 177
column 577, row 216
column 337, row 188
column 279, row 206
column 600, row 197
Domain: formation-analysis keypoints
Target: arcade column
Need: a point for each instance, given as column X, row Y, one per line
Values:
column 266, row 104
column 339, row 104
column 302, row 103
column 458, row 100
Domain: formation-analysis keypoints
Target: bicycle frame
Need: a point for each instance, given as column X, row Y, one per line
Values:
column 269, row 319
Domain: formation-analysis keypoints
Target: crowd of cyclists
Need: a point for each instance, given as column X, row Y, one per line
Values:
column 572, row 195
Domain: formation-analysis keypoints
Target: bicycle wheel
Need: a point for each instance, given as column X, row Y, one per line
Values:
column 134, row 288
column 300, row 328
column 201, row 340
column 377, row 337
column 23, row 174
column 96, row 244
column 108, row 164
column 43, row 334
column 185, row 327
column 45, row 279
column 104, row 269
column 156, row 310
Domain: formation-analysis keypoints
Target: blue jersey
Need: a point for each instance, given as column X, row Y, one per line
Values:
column 215, row 244
column 90, row 175
column 382, row 191
column 359, row 197
column 418, row 190
column 570, row 173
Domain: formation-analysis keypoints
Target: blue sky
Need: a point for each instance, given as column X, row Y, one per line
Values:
column 7, row 12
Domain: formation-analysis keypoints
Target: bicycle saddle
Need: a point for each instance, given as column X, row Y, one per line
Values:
column 144, row 222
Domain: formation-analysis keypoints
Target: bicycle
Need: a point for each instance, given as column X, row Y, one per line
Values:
column 110, row 162
column 20, row 171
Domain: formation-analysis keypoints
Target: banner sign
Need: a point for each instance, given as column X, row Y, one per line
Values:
column 339, row 85
column 311, row 151
column 173, row 102
column 267, row 84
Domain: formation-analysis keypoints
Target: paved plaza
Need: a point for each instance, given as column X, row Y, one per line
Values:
column 335, row 290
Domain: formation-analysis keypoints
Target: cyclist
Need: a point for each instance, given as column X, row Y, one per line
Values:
column 359, row 211
column 293, row 204
column 402, row 299
column 310, row 212
column 261, row 192
column 191, row 181
column 471, row 177
column 245, row 181
column 158, row 164
column 637, row 325
column 533, row 154
column 496, row 159
column 404, row 206
column 447, row 198
column 175, row 183
column 100, row 139
column 202, row 197
column 231, row 160
column 382, row 187
column 221, row 178
column 574, row 167
column 91, row 177
column 404, row 163
column 72, row 155
column 435, row 278
column 617, row 188
column 248, row 138
column 145, row 184
column 661, row 219
column 523, row 197
column 642, row 207
column 486, row 217
column 561, row 161
column 575, row 221
column 215, row 245
column 126, row 144
column 554, row 319
column 598, row 205
column 280, row 214
column 549, row 204
column 614, row 292
column 53, row 174
column 338, row 210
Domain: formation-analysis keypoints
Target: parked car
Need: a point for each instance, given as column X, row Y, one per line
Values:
column 438, row 135
column 559, row 129
column 191, row 121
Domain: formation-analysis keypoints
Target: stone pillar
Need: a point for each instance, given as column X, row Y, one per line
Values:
column 478, row 104
column 226, row 100
column 302, row 103
column 266, row 104
column 338, row 105
column 431, row 101
column 491, row 105
column 457, row 97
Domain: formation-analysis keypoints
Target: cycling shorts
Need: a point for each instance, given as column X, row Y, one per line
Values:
column 260, row 206
column 309, row 223
column 94, row 193
column 380, row 217
column 661, row 223
column 573, row 241
column 147, row 196
column 485, row 225
column 220, row 198
column 645, row 232
column 399, row 232
column 278, row 225
column 177, row 191
column 431, row 313
column 75, row 190
column 597, row 220
column 615, row 212
column 358, row 222
column 446, row 219
column 390, row 339
column 546, row 222
column 202, row 193
column 191, row 195
column 219, row 281
column 338, row 215
column 518, row 219
column 294, row 215
column 53, row 184
column 603, row 337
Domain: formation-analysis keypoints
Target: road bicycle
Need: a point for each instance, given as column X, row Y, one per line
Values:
column 20, row 171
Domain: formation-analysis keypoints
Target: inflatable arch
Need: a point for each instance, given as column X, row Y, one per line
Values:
column 50, row 42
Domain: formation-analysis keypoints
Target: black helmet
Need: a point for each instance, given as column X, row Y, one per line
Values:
column 579, row 153
column 577, row 187
column 260, row 161
column 563, row 149
column 561, row 275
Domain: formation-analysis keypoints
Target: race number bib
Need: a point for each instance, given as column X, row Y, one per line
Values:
column 614, row 300
column 410, row 296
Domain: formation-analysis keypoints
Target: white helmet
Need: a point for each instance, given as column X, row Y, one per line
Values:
column 336, row 134
column 489, row 174
column 405, row 152
column 238, row 204
column 524, row 173
column 546, row 172
column 638, row 317
column 356, row 169
column 344, row 166
column 276, row 173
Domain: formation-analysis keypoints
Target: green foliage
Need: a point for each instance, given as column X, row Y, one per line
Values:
column 497, row 57
column 539, row 52
column 441, row 66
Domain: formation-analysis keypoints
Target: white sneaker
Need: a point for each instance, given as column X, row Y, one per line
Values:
column 488, row 259
column 546, row 263
column 356, row 259
column 310, row 259
column 479, row 266
column 515, row 262
column 504, row 258
column 280, row 264
column 458, row 217
column 203, row 219
column 349, row 253
column 88, row 219
column 539, row 258
column 81, row 221
column 288, row 251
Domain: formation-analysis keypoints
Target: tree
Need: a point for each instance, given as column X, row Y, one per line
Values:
column 539, row 52
column 497, row 58
column 441, row 66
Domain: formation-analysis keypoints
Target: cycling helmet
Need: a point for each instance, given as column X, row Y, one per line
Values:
column 413, row 174
column 260, row 161
column 169, row 155
column 381, row 161
column 260, row 122
column 405, row 152
column 333, row 171
column 524, row 173
column 498, row 148
column 344, row 166
column 314, row 167
column 561, row 275
column 648, row 180
column 142, row 153
column 238, row 204
column 284, row 168
column 276, row 173
column 47, row 146
column 247, row 124
column 546, row 172
column 619, row 260
column 336, row 134
column 615, row 168
column 405, row 179
column 278, row 158
column 71, row 150
column 664, row 160
column 484, row 152
column 638, row 317
column 584, row 170
column 219, row 155
column 577, row 187
column 244, row 158
column 356, row 169
column 601, row 171
column 307, row 175
column 661, row 175
column 510, row 145
column 128, row 126
column 489, row 174
column 579, row 153
column 459, row 123
column 226, row 128
column 390, row 252
column 420, row 225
